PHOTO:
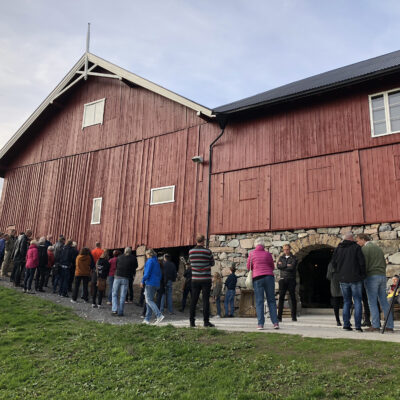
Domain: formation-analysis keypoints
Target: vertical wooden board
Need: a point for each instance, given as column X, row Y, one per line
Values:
column 168, row 170
column 325, row 192
column 381, row 183
column 190, row 188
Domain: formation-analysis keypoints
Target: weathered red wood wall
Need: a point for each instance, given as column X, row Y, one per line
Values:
column 309, row 164
column 145, row 141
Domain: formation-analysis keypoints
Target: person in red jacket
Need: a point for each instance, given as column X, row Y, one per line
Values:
column 32, row 262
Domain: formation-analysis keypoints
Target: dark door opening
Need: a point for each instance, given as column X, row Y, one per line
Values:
column 314, row 287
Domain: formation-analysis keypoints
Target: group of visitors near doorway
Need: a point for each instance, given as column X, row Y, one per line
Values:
column 356, row 263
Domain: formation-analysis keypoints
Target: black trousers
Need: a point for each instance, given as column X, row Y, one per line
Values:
column 336, row 300
column 85, row 282
column 205, row 288
column 17, row 271
column 40, row 276
column 186, row 290
column 286, row 284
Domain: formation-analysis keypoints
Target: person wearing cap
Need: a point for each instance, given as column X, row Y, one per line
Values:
column 375, row 282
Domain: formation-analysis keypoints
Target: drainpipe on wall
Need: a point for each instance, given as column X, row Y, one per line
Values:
column 223, row 121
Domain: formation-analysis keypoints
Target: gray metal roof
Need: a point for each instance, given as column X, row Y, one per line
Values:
column 314, row 84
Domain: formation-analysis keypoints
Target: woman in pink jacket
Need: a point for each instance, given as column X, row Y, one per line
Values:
column 32, row 262
column 261, row 263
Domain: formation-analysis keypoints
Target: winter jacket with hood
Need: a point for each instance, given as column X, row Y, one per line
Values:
column 348, row 262
column 32, row 257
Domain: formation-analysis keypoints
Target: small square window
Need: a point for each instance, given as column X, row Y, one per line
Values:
column 162, row 195
column 93, row 113
column 96, row 210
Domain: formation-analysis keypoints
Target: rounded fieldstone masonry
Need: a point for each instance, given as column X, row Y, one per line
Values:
column 233, row 249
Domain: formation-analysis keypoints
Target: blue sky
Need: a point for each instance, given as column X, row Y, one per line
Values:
column 213, row 52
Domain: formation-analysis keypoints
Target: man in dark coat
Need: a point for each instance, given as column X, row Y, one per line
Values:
column 19, row 256
column 349, row 269
column 287, row 265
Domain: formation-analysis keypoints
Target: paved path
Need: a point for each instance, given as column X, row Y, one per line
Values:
column 317, row 326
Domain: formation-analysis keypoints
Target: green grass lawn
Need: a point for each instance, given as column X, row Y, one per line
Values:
column 46, row 352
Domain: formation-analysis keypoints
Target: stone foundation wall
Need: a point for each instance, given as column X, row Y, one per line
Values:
column 233, row 249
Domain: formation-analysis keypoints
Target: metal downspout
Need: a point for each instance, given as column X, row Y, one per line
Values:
column 222, row 123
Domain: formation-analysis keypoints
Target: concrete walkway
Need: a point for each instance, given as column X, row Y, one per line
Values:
column 309, row 325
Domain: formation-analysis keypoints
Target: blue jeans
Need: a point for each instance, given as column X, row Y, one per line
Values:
column 218, row 304
column 29, row 274
column 119, row 283
column 352, row 291
column 149, row 292
column 229, row 301
column 375, row 286
column 265, row 285
column 110, row 285
column 168, row 293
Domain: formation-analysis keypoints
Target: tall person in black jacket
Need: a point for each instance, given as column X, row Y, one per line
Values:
column 19, row 256
column 349, row 269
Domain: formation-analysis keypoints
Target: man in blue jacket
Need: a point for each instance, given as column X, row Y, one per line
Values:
column 151, row 282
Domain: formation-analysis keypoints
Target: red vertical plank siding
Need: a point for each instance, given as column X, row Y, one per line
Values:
column 381, row 183
column 323, row 191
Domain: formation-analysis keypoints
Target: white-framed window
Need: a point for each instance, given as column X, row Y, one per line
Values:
column 96, row 210
column 384, row 110
column 162, row 195
column 93, row 113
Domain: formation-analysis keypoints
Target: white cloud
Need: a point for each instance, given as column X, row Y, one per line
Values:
column 212, row 52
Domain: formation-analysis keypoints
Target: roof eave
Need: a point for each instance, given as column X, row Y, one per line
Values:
column 309, row 93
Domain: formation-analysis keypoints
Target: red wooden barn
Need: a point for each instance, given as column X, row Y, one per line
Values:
column 109, row 158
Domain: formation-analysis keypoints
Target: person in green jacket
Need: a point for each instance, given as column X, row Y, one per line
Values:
column 375, row 282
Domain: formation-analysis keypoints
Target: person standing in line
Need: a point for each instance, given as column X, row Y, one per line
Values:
column 187, row 286
column 102, row 268
column 151, row 282
column 336, row 293
column 216, row 292
column 201, row 260
column 169, row 279
column 3, row 238
column 7, row 264
column 72, row 270
column 42, row 268
column 97, row 252
column 230, row 286
column 375, row 282
column 126, row 267
column 66, row 259
column 349, row 267
column 49, row 239
column 57, row 267
column 82, row 274
column 287, row 264
column 261, row 263
column 32, row 262
column 50, row 264
column 19, row 256
column 111, row 273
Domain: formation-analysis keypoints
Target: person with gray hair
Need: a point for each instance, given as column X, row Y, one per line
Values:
column 42, row 268
column 348, row 266
column 126, row 267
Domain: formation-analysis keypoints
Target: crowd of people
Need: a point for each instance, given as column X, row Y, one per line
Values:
column 357, row 264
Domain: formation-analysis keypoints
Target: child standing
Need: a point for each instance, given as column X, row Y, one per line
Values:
column 216, row 292
column 230, row 285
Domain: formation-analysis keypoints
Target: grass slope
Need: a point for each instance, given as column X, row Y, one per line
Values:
column 46, row 352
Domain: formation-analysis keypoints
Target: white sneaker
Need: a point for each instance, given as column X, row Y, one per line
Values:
column 217, row 316
column 159, row 319
column 145, row 322
column 73, row 301
column 98, row 306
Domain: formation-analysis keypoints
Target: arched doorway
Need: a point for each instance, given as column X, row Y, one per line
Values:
column 314, row 288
